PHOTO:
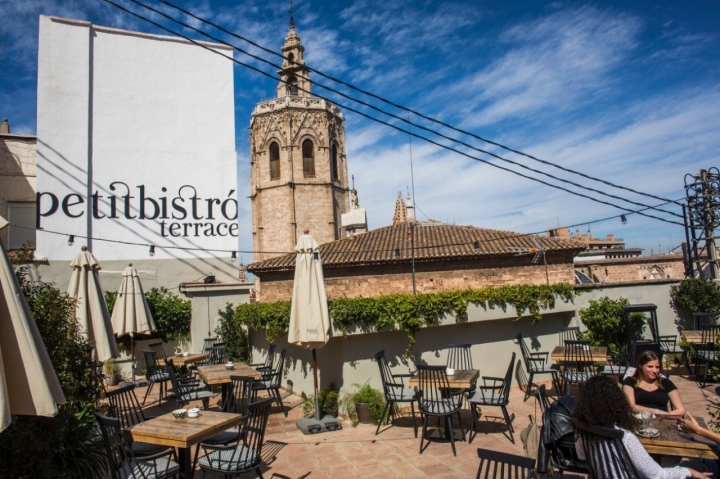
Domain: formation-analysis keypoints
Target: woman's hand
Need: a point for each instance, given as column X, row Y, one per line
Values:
column 690, row 424
column 699, row 475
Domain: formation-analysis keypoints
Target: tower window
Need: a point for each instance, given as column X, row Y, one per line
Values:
column 334, row 161
column 292, row 86
column 274, row 161
column 308, row 152
column 291, row 58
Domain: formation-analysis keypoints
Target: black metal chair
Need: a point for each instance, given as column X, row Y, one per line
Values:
column 460, row 357
column 542, row 398
column 217, row 354
column 496, row 394
column 188, row 389
column 271, row 381
column 434, row 400
column 208, row 343
column 701, row 319
column 268, row 364
column 536, row 363
column 124, row 465
column 707, row 351
column 568, row 334
column 125, row 407
column 395, row 392
column 668, row 342
column 499, row 465
column 246, row 454
column 578, row 365
column 241, row 395
column 156, row 374
column 605, row 452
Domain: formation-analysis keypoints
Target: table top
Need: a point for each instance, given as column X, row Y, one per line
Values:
column 168, row 431
column 670, row 443
column 218, row 374
column 598, row 353
column 692, row 336
column 185, row 360
column 463, row 378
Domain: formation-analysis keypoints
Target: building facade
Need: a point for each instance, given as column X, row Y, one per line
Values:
column 298, row 167
column 18, row 184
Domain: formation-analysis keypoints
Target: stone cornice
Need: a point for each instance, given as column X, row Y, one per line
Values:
column 302, row 102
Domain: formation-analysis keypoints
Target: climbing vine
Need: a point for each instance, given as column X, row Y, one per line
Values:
column 407, row 312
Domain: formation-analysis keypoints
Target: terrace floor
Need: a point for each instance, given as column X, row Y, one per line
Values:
column 356, row 452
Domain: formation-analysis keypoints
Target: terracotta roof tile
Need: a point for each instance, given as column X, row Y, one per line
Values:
column 433, row 241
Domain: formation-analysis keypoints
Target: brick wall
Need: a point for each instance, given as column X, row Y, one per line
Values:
column 430, row 277
column 623, row 270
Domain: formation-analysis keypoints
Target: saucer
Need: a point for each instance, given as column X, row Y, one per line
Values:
column 648, row 433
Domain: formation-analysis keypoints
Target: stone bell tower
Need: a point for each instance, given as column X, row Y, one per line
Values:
column 298, row 168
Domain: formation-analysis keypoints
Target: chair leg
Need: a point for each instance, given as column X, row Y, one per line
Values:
column 509, row 424
column 197, row 451
column 452, row 436
column 424, row 431
column 473, row 416
column 382, row 418
column 529, row 385
column 412, row 411
column 259, row 472
column 462, row 428
column 276, row 391
column 147, row 391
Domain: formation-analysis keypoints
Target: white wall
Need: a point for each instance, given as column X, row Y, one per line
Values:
column 123, row 114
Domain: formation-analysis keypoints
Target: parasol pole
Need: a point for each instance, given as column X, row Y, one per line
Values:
column 315, row 379
column 132, row 355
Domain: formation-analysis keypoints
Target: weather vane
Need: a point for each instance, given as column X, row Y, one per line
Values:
column 291, row 11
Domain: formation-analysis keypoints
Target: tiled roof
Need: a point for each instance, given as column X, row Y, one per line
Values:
column 433, row 242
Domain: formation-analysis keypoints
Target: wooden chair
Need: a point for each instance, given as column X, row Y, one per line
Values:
column 124, row 465
column 536, row 363
column 605, row 452
column 578, row 365
column 499, row 465
column 395, row 392
column 495, row 394
column 246, row 454
column 434, row 401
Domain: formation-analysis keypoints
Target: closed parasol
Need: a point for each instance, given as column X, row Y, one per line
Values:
column 28, row 383
column 91, row 309
column 131, row 314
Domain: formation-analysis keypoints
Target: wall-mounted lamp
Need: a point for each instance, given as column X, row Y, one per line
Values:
column 233, row 255
column 71, row 240
column 152, row 250
column 623, row 219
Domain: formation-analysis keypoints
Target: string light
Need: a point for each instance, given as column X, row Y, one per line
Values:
column 71, row 240
column 152, row 250
column 623, row 219
column 233, row 255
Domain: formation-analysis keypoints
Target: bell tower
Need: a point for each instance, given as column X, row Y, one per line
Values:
column 298, row 167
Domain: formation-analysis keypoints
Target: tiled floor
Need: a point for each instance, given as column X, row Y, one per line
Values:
column 356, row 452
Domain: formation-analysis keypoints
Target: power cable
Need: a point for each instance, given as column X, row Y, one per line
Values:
column 396, row 127
column 409, row 110
column 480, row 150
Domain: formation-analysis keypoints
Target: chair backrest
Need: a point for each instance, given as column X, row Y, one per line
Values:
column 568, row 334
column 118, row 455
column 270, row 356
column 542, row 398
column 638, row 346
column 459, row 356
column 499, row 465
column 605, row 452
column 241, row 395
column 700, row 319
column 151, row 363
column 503, row 394
column 124, row 406
column 577, row 356
column 207, row 344
column 385, row 374
column 253, row 434
column 529, row 365
column 710, row 333
column 275, row 377
column 159, row 350
column 181, row 389
column 650, row 310
column 217, row 354
column 433, row 391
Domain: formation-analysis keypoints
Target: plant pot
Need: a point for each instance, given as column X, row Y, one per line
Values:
column 363, row 412
column 112, row 380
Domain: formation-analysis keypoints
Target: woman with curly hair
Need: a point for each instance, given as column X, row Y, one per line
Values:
column 647, row 390
column 602, row 403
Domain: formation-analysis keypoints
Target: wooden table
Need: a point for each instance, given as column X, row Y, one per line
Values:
column 463, row 378
column 598, row 354
column 219, row 374
column 692, row 336
column 185, row 360
column 670, row 443
column 182, row 433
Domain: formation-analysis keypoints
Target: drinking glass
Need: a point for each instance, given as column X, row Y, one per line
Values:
column 646, row 418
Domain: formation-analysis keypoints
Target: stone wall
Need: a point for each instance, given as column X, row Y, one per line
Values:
column 18, row 171
column 639, row 268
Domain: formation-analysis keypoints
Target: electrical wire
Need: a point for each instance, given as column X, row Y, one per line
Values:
column 409, row 110
column 398, row 128
column 479, row 150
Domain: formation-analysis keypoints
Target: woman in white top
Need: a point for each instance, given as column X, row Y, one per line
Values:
column 602, row 403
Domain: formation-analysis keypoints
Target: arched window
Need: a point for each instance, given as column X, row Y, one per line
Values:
column 292, row 86
column 291, row 58
column 274, row 161
column 334, row 161
column 308, row 152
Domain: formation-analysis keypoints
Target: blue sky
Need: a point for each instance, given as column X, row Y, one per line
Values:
column 624, row 91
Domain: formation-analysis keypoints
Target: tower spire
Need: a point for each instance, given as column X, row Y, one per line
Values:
column 292, row 19
column 294, row 75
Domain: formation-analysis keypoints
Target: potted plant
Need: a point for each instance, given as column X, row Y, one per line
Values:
column 365, row 405
column 112, row 372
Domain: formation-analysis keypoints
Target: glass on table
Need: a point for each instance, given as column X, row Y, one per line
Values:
column 646, row 418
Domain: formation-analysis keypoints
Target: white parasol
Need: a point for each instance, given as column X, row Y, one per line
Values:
column 28, row 383
column 131, row 314
column 91, row 309
column 309, row 315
